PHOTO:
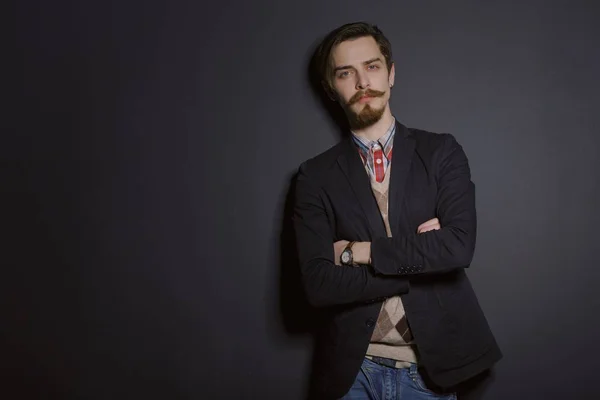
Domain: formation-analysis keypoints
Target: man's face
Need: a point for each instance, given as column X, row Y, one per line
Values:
column 361, row 80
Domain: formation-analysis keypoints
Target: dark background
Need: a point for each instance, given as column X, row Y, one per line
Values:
column 146, row 167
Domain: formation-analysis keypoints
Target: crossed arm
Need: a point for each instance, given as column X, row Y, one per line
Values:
column 361, row 251
column 438, row 246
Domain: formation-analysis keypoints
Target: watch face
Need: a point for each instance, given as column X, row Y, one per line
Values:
column 345, row 257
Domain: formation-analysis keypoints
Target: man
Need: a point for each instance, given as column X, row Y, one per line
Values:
column 383, row 251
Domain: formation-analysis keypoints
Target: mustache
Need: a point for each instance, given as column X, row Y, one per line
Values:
column 368, row 92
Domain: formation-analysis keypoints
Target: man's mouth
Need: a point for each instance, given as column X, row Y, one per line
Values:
column 365, row 98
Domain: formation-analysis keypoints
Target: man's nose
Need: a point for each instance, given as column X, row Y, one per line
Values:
column 362, row 81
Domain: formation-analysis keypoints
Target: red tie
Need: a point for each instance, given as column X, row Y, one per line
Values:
column 378, row 164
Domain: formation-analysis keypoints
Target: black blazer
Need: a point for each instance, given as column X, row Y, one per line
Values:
column 430, row 177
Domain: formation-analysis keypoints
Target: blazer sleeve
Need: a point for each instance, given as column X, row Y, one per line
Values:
column 325, row 283
column 448, row 248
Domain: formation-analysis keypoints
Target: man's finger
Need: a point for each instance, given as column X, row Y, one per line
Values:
column 430, row 228
column 431, row 222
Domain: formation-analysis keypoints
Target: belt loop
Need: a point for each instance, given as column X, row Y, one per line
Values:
column 413, row 371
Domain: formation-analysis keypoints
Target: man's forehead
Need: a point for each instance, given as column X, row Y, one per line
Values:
column 356, row 51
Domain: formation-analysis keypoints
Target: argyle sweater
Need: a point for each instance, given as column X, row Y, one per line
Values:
column 392, row 337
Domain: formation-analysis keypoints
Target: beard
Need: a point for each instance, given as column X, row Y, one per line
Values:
column 368, row 115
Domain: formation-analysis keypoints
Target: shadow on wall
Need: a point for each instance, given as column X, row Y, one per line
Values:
column 296, row 315
column 296, row 319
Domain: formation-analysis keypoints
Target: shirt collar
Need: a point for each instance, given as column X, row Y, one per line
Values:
column 386, row 141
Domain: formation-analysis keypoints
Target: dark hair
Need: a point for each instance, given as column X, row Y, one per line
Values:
column 345, row 32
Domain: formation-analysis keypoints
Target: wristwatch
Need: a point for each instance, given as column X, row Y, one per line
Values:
column 346, row 257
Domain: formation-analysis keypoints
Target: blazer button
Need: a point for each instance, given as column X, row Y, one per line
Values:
column 370, row 322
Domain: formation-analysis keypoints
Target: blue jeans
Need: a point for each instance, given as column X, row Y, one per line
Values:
column 378, row 382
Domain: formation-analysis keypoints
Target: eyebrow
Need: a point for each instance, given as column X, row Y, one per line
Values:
column 372, row 60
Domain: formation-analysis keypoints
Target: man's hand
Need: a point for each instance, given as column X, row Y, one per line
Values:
column 431, row 225
column 338, row 247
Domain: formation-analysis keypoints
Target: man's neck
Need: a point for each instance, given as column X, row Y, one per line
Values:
column 378, row 129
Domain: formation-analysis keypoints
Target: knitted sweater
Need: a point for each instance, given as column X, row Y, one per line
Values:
column 392, row 337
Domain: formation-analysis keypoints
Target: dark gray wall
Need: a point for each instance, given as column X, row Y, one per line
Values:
column 145, row 176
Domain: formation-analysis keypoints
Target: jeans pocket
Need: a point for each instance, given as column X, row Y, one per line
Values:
column 420, row 386
column 372, row 375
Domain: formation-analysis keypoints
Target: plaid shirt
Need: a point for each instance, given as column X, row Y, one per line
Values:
column 377, row 154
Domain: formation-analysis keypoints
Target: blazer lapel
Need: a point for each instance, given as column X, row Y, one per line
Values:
column 404, row 147
column 353, row 167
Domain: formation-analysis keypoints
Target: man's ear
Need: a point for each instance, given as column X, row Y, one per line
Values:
column 392, row 75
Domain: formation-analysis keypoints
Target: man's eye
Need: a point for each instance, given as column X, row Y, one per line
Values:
column 373, row 66
column 343, row 74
